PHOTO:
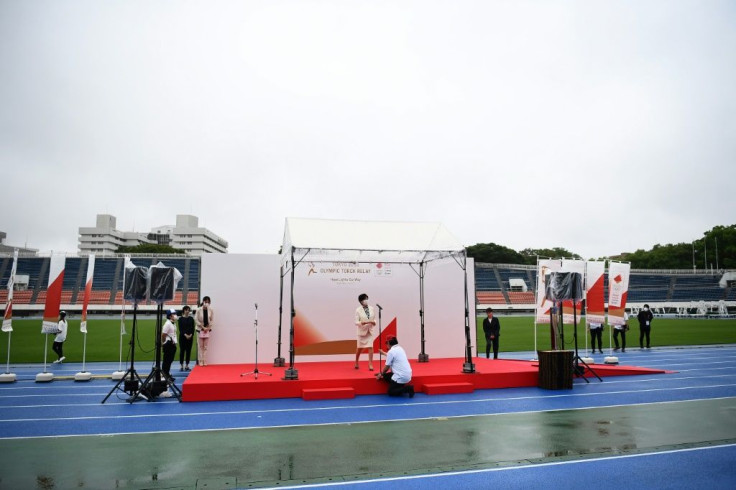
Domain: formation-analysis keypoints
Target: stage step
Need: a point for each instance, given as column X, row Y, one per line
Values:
column 328, row 393
column 447, row 388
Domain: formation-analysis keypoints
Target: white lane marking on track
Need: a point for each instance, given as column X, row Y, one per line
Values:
column 608, row 382
column 327, row 424
column 505, row 468
column 353, row 407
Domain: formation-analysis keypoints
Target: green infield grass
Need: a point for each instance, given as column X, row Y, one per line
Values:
column 103, row 341
column 517, row 334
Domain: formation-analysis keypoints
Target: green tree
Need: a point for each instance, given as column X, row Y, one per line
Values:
column 495, row 254
column 531, row 254
column 149, row 248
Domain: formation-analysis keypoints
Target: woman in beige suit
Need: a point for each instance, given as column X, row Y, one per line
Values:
column 365, row 320
column 204, row 319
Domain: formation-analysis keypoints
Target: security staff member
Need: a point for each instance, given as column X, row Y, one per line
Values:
column 645, row 318
column 492, row 330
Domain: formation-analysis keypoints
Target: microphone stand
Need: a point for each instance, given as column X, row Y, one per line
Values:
column 380, row 339
column 255, row 371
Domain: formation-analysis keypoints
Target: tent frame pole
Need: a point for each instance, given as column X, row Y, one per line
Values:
column 291, row 373
column 468, row 366
column 278, row 360
column 423, row 356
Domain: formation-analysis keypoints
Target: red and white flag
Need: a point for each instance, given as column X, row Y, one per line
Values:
column 594, row 287
column 544, row 268
column 8, row 318
column 618, row 291
column 53, row 295
column 87, row 292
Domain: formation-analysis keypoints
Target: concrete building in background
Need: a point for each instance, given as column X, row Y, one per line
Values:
column 5, row 248
column 186, row 235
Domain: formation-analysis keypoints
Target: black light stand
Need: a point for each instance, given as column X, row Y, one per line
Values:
column 157, row 381
column 580, row 371
column 130, row 380
column 255, row 371
column 161, row 289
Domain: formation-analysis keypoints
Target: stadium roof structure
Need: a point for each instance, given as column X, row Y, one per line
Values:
column 320, row 240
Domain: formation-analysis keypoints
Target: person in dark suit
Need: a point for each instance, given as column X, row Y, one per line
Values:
column 492, row 330
column 645, row 318
column 186, row 338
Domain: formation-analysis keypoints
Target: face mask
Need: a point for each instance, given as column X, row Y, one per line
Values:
column 364, row 302
column 174, row 318
column 646, row 309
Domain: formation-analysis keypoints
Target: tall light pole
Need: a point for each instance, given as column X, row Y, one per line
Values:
column 693, row 244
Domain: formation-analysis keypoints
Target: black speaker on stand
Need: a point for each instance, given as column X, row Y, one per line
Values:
column 568, row 286
column 161, row 289
column 134, row 289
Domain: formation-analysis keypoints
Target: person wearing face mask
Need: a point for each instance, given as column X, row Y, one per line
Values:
column 365, row 320
column 492, row 330
column 645, row 318
column 168, row 340
column 186, row 337
column 204, row 319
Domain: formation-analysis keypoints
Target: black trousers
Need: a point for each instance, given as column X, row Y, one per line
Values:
column 185, row 349
column 616, row 333
column 169, row 353
column 58, row 347
column 644, row 332
column 596, row 333
column 492, row 343
column 394, row 388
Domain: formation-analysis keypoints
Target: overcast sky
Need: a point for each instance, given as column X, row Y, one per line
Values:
column 600, row 127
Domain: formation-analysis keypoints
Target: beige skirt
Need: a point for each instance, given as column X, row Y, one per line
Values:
column 365, row 337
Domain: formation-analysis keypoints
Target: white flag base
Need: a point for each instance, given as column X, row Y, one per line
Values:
column 44, row 377
column 611, row 360
column 587, row 360
column 7, row 378
column 83, row 376
column 118, row 375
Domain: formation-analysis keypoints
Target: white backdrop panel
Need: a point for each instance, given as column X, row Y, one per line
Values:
column 327, row 295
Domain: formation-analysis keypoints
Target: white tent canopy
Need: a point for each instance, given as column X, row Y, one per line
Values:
column 320, row 240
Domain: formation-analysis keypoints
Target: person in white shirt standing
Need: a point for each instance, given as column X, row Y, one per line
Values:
column 596, row 333
column 168, row 339
column 621, row 330
column 58, row 346
column 397, row 371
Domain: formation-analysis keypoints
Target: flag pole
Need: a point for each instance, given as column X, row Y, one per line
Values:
column 7, row 376
column 536, row 305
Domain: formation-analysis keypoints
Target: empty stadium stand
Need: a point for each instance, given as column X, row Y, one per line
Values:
column 493, row 284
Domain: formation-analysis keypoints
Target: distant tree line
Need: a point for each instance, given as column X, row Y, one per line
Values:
column 716, row 249
column 149, row 248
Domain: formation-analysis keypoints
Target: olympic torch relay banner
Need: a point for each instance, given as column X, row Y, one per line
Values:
column 53, row 294
column 618, row 291
column 8, row 318
column 594, row 287
column 87, row 292
column 544, row 268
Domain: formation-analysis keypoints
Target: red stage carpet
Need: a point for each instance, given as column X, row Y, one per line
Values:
column 324, row 380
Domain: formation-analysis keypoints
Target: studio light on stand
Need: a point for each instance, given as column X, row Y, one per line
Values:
column 163, row 281
column 568, row 286
column 134, row 289
column 255, row 371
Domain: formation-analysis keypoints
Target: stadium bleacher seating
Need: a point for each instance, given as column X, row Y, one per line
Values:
column 644, row 286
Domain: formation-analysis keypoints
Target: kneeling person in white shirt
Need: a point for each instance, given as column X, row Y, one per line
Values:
column 397, row 371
